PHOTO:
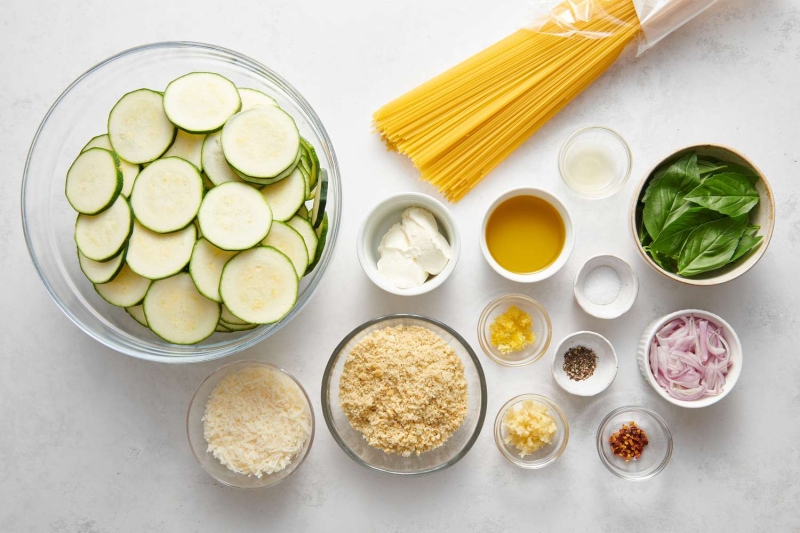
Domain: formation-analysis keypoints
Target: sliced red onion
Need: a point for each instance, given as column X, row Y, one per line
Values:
column 689, row 358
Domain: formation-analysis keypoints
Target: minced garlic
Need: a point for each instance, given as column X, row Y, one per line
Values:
column 512, row 331
column 528, row 427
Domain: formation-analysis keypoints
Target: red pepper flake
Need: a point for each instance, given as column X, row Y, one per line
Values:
column 628, row 442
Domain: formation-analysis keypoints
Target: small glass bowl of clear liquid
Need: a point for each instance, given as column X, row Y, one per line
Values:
column 595, row 162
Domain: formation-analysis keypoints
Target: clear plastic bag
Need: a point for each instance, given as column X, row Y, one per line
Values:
column 657, row 18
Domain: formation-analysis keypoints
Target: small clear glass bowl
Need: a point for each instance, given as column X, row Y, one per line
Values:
column 80, row 113
column 541, row 326
column 436, row 460
column 543, row 456
column 656, row 454
column 199, row 446
column 610, row 142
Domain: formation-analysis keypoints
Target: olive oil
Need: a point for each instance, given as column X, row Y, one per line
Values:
column 525, row 234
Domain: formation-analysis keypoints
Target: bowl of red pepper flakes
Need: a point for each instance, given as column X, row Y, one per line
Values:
column 634, row 443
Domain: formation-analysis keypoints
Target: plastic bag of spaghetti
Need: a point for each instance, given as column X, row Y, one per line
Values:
column 655, row 18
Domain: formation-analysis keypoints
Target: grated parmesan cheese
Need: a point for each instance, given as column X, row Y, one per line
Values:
column 256, row 421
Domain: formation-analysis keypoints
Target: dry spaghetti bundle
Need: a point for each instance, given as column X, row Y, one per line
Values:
column 460, row 125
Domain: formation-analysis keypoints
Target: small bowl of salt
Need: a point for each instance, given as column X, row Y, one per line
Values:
column 606, row 286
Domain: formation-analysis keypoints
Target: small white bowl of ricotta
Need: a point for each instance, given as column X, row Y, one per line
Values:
column 408, row 244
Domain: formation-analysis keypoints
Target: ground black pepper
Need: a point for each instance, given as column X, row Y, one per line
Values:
column 580, row 363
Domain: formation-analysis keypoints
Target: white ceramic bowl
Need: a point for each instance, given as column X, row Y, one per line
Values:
column 730, row 337
column 387, row 213
column 629, row 287
column 569, row 241
column 603, row 375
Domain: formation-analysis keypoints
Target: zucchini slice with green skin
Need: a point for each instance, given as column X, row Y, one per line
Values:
column 320, row 200
column 262, row 142
column 137, row 313
column 206, row 266
column 289, row 242
column 239, row 327
column 129, row 170
column 98, row 272
column 188, row 146
column 125, row 290
column 222, row 329
column 304, row 228
column 322, row 234
column 101, row 237
column 159, row 255
column 310, row 161
column 227, row 318
column 303, row 212
column 138, row 128
column 286, row 196
column 201, row 102
column 93, row 181
column 259, row 285
column 167, row 195
column 178, row 313
column 234, row 216
column 254, row 98
column 215, row 165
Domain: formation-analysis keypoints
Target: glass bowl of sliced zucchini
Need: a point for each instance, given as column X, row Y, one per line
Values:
column 180, row 202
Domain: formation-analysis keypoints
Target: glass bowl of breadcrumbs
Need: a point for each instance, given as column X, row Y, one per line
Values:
column 404, row 395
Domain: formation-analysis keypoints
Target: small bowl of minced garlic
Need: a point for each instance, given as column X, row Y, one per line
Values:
column 514, row 330
column 531, row 431
column 408, row 244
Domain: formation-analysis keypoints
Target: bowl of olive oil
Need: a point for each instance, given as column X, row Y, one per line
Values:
column 527, row 235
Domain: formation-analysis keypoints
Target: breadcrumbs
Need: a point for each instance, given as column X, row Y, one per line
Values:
column 512, row 331
column 404, row 389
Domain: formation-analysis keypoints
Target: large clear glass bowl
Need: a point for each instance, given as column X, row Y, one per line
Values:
column 79, row 114
column 353, row 443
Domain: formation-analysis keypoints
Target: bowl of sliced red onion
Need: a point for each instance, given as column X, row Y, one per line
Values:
column 691, row 358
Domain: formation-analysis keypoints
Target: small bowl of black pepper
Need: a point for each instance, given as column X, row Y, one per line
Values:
column 584, row 364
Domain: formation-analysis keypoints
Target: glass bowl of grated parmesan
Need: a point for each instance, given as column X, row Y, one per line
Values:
column 410, row 425
column 250, row 424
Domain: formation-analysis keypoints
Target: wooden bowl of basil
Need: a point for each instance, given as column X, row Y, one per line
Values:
column 703, row 215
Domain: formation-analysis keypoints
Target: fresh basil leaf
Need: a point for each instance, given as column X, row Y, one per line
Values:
column 666, row 194
column 656, row 176
column 729, row 193
column 707, row 166
column 665, row 262
column 671, row 239
column 746, row 243
column 751, row 230
column 711, row 245
column 747, row 172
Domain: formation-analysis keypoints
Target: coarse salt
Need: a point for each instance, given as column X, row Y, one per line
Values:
column 602, row 285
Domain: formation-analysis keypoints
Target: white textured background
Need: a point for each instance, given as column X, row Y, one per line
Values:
column 92, row 441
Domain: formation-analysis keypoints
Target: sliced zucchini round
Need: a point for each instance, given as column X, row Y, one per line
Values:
column 159, row 255
column 238, row 327
column 167, row 195
column 309, row 161
column 322, row 234
column 129, row 170
column 286, row 196
column 178, row 313
column 188, row 146
column 222, row 329
column 303, row 212
column 101, row 237
column 205, row 267
column 259, row 285
column 303, row 227
column 125, row 290
column 288, row 241
column 254, row 98
column 201, row 102
column 227, row 318
column 214, row 162
column 234, row 216
column 137, row 312
column 262, row 142
column 93, row 181
column 138, row 128
column 320, row 199
column 98, row 272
